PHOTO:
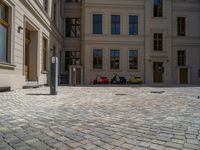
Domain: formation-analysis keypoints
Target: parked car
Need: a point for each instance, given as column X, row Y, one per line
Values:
column 100, row 80
column 118, row 80
column 135, row 80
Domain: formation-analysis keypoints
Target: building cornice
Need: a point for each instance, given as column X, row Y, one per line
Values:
column 115, row 6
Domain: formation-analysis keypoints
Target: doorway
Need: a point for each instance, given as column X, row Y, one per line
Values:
column 30, row 53
column 27, row 43
column 158, row 72
column 183, row 75
column 75, row 75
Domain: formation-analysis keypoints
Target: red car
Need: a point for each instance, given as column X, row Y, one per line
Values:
column 101, row 80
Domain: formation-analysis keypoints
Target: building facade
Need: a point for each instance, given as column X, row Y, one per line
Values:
column 28, row 30
column 157, row 40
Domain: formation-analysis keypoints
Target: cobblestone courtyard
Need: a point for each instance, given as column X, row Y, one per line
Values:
column 120, row 118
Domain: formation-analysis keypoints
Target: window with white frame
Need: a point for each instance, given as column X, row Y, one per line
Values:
column 158, row 41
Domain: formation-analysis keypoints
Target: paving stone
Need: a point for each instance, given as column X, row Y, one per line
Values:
column 107, row 146
column 60, row 146
column 178, row 141
column 89, row 146
column 139, row 148
column 127, row 146
column 191, row 141
column 74, row 145
column 191, row 146
column 96, row 118
column 144, row 144
column 157, row 147
column 173, row 145
column 168, row 148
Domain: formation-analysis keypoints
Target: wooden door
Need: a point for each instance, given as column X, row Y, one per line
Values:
column 158, row 72
column 26, row 66
column 183, row 76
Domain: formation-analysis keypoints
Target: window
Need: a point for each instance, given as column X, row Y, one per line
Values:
column 181, row 26
column 72, row 58
column 133, row 59
column 97, row 24
column 115, row 24
column 46, row 5
column 133, row 25
column 97, row 59
column 158, row 8
column 158, row 41
column 4, row 26
column 181, row 58
column 114, row 59
column 73, row 27
column 44, row 55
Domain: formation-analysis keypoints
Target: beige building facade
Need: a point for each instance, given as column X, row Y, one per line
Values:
column 157, row 40
column 29, row 29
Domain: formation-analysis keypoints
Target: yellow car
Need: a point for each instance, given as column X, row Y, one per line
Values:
column 135, row 80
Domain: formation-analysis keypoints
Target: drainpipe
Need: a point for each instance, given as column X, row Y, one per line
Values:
column 144, row 41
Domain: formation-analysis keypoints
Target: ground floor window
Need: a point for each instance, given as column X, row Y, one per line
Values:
column 114, row 59
column 97, row 58
column 4, row 25
column 72, row 58
column 133, row 59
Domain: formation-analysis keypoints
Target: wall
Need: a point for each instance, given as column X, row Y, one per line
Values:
column 106, row 41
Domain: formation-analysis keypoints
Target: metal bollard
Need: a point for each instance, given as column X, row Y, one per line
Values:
column 54, row 74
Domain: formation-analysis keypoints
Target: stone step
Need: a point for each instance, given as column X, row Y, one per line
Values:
column 31, row 84
column 5, row 89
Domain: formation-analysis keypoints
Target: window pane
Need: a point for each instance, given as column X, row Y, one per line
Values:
column 133, row 25
column 97, row 24
column 181, row 24
column 72, row 27
column 158, row 8
column 97, row 59
column 3, row 43
column 114, row 59
column 181, row 58
column 133, row 59
column 115, row 24
column 158, row 41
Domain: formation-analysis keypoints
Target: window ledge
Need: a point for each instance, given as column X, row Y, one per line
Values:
column 159, row 17
column 115, row 70
column 97, row 70
column 134, row 70
column 44, row 72
column 8, row 66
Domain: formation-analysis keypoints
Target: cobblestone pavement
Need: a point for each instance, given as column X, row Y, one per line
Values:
column 99, row 118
